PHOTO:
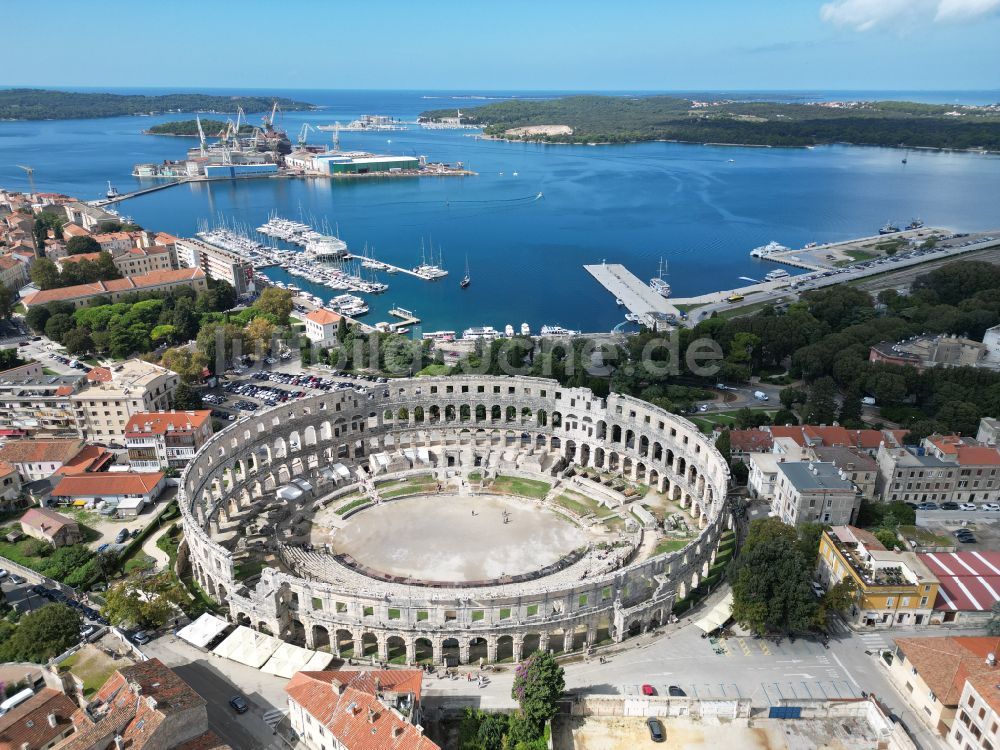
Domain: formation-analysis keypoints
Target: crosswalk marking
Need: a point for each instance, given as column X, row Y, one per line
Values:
column 743, row 645
column 764, row 647
column 273, row 718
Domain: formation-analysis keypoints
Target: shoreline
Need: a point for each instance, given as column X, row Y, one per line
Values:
column 546, row 142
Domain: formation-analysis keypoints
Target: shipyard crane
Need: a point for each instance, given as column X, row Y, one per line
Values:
column 201, row 136
column 269, row 121
column 31, row 176
column 336, row 135
column 303, row 133
column 240, row 114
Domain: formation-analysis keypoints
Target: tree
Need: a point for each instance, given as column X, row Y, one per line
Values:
column 45, row 221
column 163, row 334
column 342, row 329
column 993, row 626
column 42, row 634
column 185, row 320
column 8, row 301
column 784, row 416
column 539, row 682
column 723, row 444
column 44, row 274
column 771, row 581
column 791, row 396
column 841, row 596
column 81, row 245
column 219, row 297
column 78, row 341
column 259, row 334
column 37, row 317
column 186, row 363
column 58, row 326
column 820, row 408
column 147, row 601
column 276, row 302
column 186, row 398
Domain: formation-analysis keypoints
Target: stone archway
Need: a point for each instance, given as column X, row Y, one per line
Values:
column 478, row 650
column 423, row 651
column 450, row 652
column 345, row 643
column 396, row 649
column 532, row 642
column 369, row 644
column 505, row 648
column 321, row 638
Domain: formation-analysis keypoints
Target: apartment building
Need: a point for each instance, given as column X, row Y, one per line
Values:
column 115, row 289
column 139, row 261
column 321, row 327
column 112, row 396
column 813, row 491
column 37, row 405
column 158, row 439
column 893, row 588
column 943, row 468
column 217, row 263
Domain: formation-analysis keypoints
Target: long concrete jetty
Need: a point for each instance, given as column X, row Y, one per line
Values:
column 636, row 295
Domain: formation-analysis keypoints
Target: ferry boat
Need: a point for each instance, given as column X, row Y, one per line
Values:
column 439, row 336
column 658, row 284
column 484, row 333
column 557, row 331
column 889, row 228
column 780, row 273
column 770, row 248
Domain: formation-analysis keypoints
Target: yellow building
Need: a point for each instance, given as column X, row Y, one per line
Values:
column 893, row 588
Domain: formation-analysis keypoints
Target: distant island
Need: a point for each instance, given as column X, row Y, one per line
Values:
column 42, row 104
column 211, row 128
column 621, row 119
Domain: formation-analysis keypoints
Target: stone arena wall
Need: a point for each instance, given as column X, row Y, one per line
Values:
column 465, row 423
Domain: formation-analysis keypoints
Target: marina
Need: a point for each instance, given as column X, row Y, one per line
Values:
column 641, row 300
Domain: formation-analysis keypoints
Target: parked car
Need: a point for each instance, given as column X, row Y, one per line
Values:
column 648, row 690
column 927, row 506
column 17, row 580
column 122, row 536
column 656, row 731
column 968, row 539
column 141, row 638
column 676, row 692
column 239, row 704
column 3, row 574
column 949, row 506
column 968, row 506
column 86, row 631
column 990, row 506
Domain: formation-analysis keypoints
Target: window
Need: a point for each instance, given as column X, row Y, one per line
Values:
column 532, row 610
column 505, row 613
column 393, row 614
column 369, row 611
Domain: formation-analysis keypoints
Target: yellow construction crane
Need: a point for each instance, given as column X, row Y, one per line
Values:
column 31, row 176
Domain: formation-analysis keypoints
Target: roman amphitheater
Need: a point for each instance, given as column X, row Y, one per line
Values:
column 454, row 520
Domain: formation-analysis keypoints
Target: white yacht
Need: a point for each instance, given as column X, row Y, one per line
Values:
column 770, row 248
column 776, row 275
column 525, row 329
column 508, row 331
column 558, row 331
column 486, row 333
column 658, row 284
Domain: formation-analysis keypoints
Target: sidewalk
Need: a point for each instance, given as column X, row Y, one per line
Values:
column 149, row 547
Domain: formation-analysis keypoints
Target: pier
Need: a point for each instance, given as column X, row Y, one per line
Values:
column 389, row 267
column 137, row 193
column 636, row 295
column 407, row 317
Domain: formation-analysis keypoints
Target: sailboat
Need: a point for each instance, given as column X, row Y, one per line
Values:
column 466, row 280
column 905, row 156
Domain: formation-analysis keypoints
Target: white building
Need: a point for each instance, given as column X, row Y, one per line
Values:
column 321, row 327
column 113, row 395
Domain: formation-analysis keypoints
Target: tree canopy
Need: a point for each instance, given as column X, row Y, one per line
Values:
column 771, row 581
column 42, row 634
column 539, row 682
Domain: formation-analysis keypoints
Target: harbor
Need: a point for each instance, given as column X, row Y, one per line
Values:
column 649, row 307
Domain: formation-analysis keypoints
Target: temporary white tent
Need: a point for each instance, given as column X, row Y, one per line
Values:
column 248, row 647
column 203, row 631
column 718, row 615
column 289, row 659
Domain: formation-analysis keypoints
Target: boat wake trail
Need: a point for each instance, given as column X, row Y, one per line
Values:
column 449, row 202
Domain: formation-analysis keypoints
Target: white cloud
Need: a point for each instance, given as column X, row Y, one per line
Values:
column 863, row 15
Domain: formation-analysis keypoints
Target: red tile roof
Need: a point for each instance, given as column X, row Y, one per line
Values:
column 323, row 317
column 129, row 283
column 40, row 451
column 345, row 703
column 970, row 581
column 99, row 375
column 80, row 256
column 8, row 262
column 945, row 663
column 159, row 422
column 90, row 458
column 833, row 435
column 750, row 441
column 108, row 483
column 969, row 455
column 47, row 521
column 29, row 722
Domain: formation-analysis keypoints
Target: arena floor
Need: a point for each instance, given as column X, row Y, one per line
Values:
column 453, row 537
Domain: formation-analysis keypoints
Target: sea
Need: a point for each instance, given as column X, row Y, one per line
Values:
column 535, row 214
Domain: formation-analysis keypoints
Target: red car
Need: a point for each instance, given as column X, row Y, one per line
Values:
column 648, row 690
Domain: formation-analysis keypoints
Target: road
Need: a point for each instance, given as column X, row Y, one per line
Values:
column 944, row 252
column 217, row 680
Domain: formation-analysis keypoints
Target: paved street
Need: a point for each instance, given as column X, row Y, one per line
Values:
column 216, row 679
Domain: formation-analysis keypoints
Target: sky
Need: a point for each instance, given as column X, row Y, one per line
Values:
column 664, row 45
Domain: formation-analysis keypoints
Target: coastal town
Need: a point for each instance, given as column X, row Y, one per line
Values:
column 670, row 420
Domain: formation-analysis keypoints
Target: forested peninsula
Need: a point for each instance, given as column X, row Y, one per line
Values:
column 190, row 128
column 621, row 119
column 43, row 104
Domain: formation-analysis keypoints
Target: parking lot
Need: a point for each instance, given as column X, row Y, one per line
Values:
column 969, row 530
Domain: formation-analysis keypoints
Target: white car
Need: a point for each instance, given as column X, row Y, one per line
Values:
column 968, row 506
column 990, row 506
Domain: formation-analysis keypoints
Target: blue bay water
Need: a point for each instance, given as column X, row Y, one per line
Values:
column 700, row 208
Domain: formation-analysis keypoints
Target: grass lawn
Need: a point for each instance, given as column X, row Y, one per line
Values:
column 475, row 476
column 856, row 256
column 926, row 538
column 348, row 507
column 140, row 561
column 433, row 370
column 93, row 667
column 670, row 545
column 614, row 523
column 517, row 486
column 249, row 569
column 706, row 420
column 572, row 505
column 753, row 307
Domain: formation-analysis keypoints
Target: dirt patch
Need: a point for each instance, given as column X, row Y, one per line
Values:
column 93, row 666
column 540, row 130
column 629, row 733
